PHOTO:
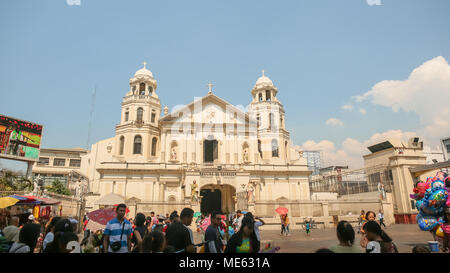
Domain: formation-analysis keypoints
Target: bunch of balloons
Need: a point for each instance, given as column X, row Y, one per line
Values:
column 431, row 200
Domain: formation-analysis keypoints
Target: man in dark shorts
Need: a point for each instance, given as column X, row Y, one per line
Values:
column 179, row 235
column 213, row 240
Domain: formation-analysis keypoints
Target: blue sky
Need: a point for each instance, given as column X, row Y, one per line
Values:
column 318, row 53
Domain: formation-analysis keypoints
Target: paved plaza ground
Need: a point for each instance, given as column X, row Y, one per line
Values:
column 405, row 237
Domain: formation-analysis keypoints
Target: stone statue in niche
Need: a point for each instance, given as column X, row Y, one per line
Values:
column 194, row 192
column 245, row 155
column 173, row 154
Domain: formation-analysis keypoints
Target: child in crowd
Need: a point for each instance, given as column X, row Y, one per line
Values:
column 308, row 228
column 154, row 242
column 377, row 240
column 361, row 221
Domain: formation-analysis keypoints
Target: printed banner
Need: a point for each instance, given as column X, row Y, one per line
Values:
column 19, row 139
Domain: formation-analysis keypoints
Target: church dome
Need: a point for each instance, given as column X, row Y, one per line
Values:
column 143, row 72
column 264, row 81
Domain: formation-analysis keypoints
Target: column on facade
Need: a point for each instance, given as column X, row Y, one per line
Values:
column 163, row 146
column 223, row 191
column 153, row 191
column 162, row 186
column 185, row 158
column 235, row 160
column 257, row 191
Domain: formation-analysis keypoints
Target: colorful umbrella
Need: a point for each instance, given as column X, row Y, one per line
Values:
column 94, row 226
column 20, row 198
column 25, row 200
column 7, row 202
column 205, row 224
column 197, row 214
column 282, row 210
column 102, row 216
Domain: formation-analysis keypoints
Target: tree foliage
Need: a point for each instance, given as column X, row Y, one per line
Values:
column 58, row 187
column 12, row 182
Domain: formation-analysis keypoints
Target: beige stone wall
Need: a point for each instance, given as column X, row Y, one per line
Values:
column 399, row 160
column 322, row 212
column 69, row 204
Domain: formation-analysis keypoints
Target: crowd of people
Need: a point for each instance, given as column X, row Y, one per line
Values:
column 35, row 235
column 238, row 233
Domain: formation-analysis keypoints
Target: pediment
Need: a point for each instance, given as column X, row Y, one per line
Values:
column 209, row 109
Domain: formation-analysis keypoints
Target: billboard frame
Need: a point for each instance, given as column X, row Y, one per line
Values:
column 24, row 159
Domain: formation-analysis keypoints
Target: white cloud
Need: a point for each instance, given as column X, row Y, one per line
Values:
column 347, row 107
column 362, row 111
column 73, row 2
column 373, row 2
column 426, row 92
column 334, row 122
column 351, row 150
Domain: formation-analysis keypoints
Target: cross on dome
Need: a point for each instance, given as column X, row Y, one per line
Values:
column 146, row 63
column 262, row 72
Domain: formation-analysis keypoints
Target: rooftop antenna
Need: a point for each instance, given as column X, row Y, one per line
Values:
column 90, row 117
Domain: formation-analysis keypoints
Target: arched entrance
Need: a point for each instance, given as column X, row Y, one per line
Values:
column 211, row 200
column 217, row 198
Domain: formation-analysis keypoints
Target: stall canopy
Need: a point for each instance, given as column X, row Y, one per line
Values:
column 25, row 200
column 43, row 200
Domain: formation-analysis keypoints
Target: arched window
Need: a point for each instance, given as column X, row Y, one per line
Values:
column 271, row 121
column 137, row 145
column 140, row 113
column 134, row 88
column 274, row 148
column 153, row 116
column 260, row 98
column 258, row 119
column 268, row 95
column 127, row 114
column 141, row 87
column 286, row 149
column 150, row 90
column 122, row 143
column 154, row 141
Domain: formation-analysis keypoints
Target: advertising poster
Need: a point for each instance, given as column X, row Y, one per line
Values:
column 19, row 139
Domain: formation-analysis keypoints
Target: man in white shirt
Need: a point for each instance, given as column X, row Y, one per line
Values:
column 238, row 220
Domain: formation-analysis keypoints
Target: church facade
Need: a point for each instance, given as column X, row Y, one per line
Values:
column 208, row 154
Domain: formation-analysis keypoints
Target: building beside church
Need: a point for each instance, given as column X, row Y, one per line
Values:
column 209, row 154
column 60, row 164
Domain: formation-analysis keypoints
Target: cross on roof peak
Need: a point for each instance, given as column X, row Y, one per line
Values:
column 210, row 85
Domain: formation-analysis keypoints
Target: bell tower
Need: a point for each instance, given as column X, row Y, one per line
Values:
column 137, row 134
column 273, row 139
